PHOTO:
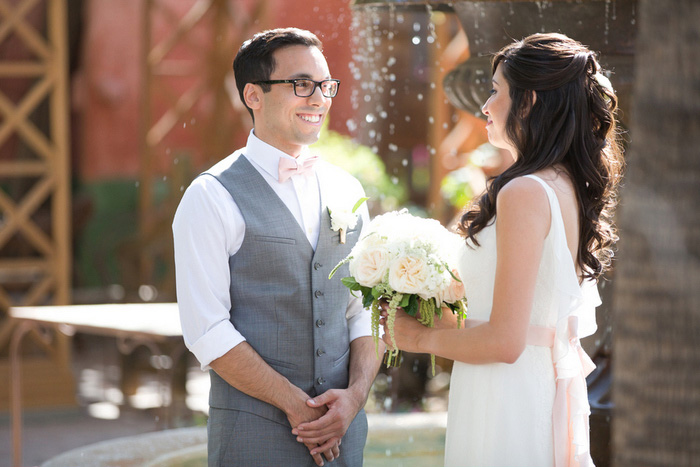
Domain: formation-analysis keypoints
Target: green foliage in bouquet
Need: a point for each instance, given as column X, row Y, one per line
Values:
column 424, row 311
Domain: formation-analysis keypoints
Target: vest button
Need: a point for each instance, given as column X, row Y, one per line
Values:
column 317, row 265
column 320, row 381
column 318, row 293
column 320, row 352
column 319, row 323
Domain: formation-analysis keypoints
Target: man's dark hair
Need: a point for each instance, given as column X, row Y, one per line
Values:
column 255, row 59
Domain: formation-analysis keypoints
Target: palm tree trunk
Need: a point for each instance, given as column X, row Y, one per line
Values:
column 656, row 342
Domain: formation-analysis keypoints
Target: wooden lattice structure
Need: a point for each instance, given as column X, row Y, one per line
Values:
column 188, row 86
column 35, row 247
column 34, row 168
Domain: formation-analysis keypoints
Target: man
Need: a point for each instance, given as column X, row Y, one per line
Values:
column 290, row 351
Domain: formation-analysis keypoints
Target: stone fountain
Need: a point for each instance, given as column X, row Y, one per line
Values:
column 605, row 26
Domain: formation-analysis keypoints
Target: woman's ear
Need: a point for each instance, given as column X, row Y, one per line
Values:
column 529, row 105
column 252, row 95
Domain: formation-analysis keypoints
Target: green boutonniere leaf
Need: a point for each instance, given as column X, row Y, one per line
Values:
column 358, row 204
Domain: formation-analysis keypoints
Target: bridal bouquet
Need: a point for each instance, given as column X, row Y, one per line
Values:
column 403, row 259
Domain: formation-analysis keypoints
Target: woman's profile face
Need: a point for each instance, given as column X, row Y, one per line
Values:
column 496, row 109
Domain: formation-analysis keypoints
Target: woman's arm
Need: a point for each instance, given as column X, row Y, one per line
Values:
column 522, row 224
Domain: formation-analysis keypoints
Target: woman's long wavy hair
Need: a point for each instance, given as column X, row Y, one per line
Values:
column 570, row 125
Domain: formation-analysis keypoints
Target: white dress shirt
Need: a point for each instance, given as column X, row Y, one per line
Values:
column 208, row 228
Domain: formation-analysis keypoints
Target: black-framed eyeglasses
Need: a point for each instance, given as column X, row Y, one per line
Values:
column 304, row 87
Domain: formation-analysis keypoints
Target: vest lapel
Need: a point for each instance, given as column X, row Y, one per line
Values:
column 256, row 183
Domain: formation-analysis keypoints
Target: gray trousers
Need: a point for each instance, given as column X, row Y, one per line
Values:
column 243, row 439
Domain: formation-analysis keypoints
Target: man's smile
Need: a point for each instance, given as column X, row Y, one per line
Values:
column 310, row 118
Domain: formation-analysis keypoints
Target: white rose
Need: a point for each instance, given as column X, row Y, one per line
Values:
column 369, row 266
column 408, row 274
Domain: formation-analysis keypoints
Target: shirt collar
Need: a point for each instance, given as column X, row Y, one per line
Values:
column 267, row 156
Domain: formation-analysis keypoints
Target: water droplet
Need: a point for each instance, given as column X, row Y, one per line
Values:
column 420, row 97
column 408, row 118
column 147, row 293
column 416, row 27
column 415, row 40
column 393, row 147
column 370, row 118
column 404, row 162
column 431, row 120
column 391, row 61
column 395, row 180
column 351, row 125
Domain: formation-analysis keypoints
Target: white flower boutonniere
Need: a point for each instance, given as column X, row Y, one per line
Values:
column 342, row 219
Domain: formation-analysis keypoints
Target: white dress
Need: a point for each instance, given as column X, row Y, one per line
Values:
column 514, row 415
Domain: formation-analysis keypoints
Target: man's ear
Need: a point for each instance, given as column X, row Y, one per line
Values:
column 252, row 96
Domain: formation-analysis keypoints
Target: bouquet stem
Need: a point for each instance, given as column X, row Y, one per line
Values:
column 392, row 359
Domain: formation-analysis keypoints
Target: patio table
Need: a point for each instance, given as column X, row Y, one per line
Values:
column 153, row 325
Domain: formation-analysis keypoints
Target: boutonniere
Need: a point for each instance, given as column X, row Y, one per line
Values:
column 343, row 219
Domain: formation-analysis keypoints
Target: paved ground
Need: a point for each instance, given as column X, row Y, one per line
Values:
column 48, row 433
column 101, row 411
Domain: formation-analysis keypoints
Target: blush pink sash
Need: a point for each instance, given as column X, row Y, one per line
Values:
column 570, row 399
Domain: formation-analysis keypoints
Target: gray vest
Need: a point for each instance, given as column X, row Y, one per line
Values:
column 282, row 300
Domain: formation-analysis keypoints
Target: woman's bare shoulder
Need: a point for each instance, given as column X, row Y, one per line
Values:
column 523, row 200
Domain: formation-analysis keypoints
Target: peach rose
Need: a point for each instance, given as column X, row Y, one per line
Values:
column 370, row 266
column 408, row 274
column 454, row 291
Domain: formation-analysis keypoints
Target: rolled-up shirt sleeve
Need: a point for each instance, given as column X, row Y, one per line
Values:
column 206, row 233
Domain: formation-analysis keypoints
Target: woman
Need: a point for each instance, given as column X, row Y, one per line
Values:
column 536, row 242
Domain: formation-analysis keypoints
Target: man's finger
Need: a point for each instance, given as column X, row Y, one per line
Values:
column 327, row 449
column 316, row 456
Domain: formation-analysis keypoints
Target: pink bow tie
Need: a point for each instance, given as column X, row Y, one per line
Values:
column 289, row 167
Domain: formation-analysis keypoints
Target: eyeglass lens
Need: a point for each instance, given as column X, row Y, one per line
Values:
column 306, row 87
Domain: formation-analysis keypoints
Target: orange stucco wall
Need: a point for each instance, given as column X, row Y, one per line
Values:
column 106, row 89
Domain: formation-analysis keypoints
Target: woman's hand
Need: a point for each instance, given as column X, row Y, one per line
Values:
column 407, row 330
column 448, row 320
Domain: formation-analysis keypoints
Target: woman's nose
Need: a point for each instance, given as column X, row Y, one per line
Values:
column 484, row 108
